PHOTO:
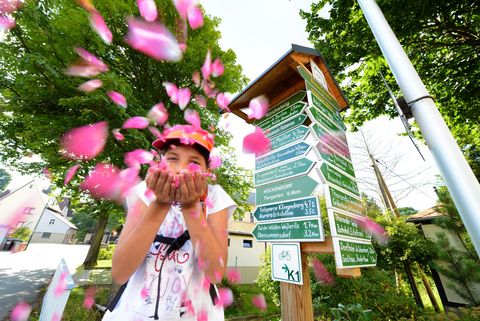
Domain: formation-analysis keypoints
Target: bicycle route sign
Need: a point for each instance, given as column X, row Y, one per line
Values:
column 287, row 263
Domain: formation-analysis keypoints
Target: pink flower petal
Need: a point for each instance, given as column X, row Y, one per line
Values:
column 201, row 101
column 192, row 117
column 223, row 100
column 158, row 114
column 6, row 23
column 136, row 122
column 70, row 173
column 46, row 172
column 202, row 315
column 21, row 311
column 85, row 142
column 155, row 132
column 225, row 297
column 153, row 39
column 184, row 96
column 196, row 78
column 192, row 167
column 183, row 47
column 259, row 302
column 88, row 65
column 208, row 203
column 321, row 272
column 233, row 276
column 90, row 85
column 217, row 68
column 117, row 98
column 207, row 66
column 9, row 6
column 116, row 133
column 172, row 91
column 56, row 317
column 61, row 286
column 144, row 293
column 176, row 181
column 209, row 88
column 182, row 7
column 195, row 17
column 91, row 59
column 371, row 227
column 87, row 5
column 89, row 298
column 100, row 27
column 137, row 157
column 256, row 142
column 259, row 107
column 129, row 174
column 148, row 9
column 214, row 162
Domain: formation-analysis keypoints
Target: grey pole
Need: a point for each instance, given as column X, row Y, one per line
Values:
column 456, row 172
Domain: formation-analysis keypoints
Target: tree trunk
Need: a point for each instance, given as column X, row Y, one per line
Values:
column 91, row 259
column 426, row 283
column 413, row 285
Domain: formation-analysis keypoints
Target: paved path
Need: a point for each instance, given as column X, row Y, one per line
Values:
column 23, row 273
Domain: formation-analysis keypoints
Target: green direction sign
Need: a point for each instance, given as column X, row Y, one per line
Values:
column 343, row 201
column 333, row 176
column 288, row 170
column 327, row 102
column 354, row 254
column 293, row 135
column 331, row 156
column 329, row 139
column 289, row 152
column 286, row 125
column 316, row 86
column 331, row 114
column 299, row 208
column 317, row 116
column 293, row 99
column 302, row 186
column 299, row 230
column 282, row 115
column 346, row 225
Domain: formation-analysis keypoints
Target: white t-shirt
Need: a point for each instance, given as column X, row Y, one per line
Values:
column 181, row 278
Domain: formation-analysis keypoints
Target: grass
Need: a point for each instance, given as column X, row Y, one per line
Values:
column 103, row 264
column 244, row 306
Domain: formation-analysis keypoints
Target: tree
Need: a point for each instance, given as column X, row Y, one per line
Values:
column 5, row 179
column 39, row 102
column 23, row 233
column 441, row 39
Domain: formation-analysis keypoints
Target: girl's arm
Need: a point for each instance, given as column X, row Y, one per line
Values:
column 141, row 227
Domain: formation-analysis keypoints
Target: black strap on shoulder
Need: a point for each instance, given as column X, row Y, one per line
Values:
column 117, row 297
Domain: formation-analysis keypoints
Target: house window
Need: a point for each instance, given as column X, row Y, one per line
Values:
column 228, row 241
column 52, row 221
column 248, row 243
column 46, row 235
column 28, row 210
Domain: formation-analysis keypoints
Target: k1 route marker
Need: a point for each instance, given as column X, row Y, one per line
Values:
column 293, row 231
column 290, row 169
column 295, row 209
column 286, row 190
column 287, row 263
column 282, row 155
column 352, row 253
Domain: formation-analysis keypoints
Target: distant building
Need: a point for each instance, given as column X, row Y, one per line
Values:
column 244, row 252
column 39, row 212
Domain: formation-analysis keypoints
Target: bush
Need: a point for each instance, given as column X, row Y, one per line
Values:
column 106, row 253
column 269, row 287
column 23, row 233
column 462, row 314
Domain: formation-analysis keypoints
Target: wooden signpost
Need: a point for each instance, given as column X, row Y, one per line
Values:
column 309, row 150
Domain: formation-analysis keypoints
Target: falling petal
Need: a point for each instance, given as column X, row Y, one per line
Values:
column 129, row 174
column 70, row 173
column 137, row 157
column 207, row 66
column 158, row 114
column 116, row 133
column 9, row 6
column 256, row 142
column 201, row 101
column 223, row 100
column 202, row 315
column 371, row 227
column 208, row 203
column 225, row 297
column 87, row 5
column 148, row 9
column 153, row 39
column 21, row 311
column 196, row 78
column 209, row 88
column 56, row 317
column 259, row 107
column 233, row 276
column 217, row 68
column 184, row 96
column 195, row 17
column 172, row 91
column 6, row 23
column 176, row 181
column 155, row 132
column 91, row 59
column 46, row 172
column 100, row 27
column 192, row 167
column 192, row 117
column 90, row 85
column 61, row 285
column 259, row 302
column 321, row 272
column 117, row 98
column 88, row 65
column 182, row 7
column 89, row 298
column 149, row 194
column 136, row 122
column 85, row 142
column 144, row 293
column 214, row 161
column 183, row 47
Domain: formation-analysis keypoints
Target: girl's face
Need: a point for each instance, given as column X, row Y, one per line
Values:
column 179, row 157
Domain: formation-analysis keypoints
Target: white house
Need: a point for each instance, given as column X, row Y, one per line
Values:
column 34, row 209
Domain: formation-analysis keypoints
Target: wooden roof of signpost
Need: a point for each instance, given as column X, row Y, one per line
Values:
column 282, row 80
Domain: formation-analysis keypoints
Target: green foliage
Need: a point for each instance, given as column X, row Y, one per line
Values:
column 375, row 290
column 270, row 288
column 405, row 211
column 351, row 312
column 23, row 233
column 441, row 40
column 5, row 179
column 461, row 314
column 371, row 208
column 106, row 253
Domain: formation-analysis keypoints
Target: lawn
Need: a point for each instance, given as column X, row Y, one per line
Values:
column 245, row 306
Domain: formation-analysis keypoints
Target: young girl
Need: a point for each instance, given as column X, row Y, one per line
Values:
column 174, row 244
